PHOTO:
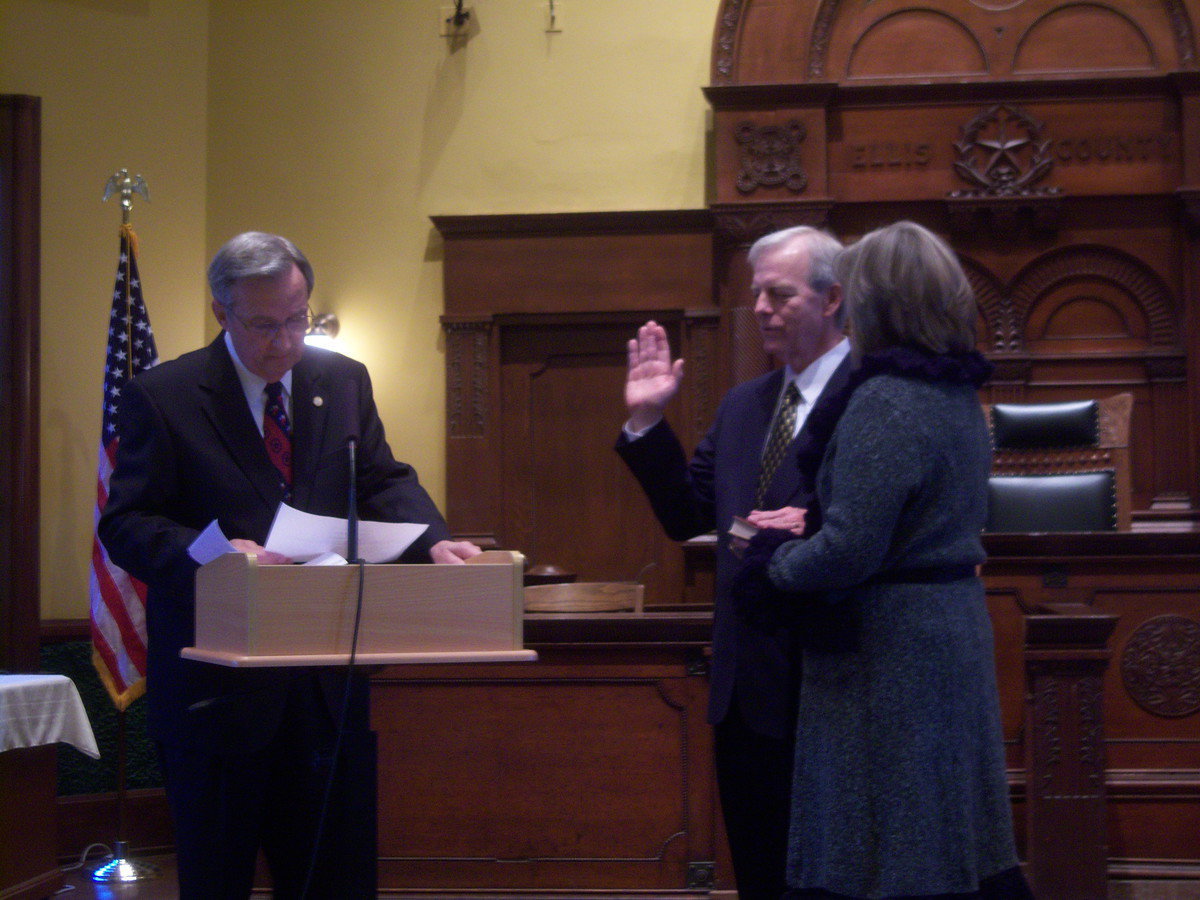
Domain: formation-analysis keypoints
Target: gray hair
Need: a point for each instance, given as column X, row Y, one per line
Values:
column 904, row 285
column 823, row 250
column 254, row 254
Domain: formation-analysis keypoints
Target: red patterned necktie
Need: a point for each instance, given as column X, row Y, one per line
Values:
column 782, row 432
column 277, row 433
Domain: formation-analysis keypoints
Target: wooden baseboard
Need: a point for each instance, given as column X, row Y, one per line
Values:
column 85, row 819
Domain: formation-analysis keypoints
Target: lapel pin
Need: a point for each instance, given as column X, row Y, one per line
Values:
column 318, row 401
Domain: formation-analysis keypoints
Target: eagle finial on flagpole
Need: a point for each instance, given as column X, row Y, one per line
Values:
column 128, row 185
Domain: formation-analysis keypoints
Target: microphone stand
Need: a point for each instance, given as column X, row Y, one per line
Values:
column 352, row 512
column 121, row 869
column 352, row 558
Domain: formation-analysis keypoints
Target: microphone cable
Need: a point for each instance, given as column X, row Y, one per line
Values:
column 341, row 730
column 352, row 554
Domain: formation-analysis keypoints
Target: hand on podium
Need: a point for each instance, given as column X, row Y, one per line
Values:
column 265, row 556
column 453, row 552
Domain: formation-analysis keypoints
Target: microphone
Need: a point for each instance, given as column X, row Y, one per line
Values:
column 349, row 398
column 352, row 502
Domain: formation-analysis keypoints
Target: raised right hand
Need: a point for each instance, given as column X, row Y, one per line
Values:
column 652, row 379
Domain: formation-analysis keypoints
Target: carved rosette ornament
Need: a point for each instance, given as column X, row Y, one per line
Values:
column 1002, row 154
column 771, row 156
column 1161, row 666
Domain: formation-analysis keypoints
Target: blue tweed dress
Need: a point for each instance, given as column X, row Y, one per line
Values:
column 900, row 782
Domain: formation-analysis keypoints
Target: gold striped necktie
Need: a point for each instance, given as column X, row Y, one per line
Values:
column 782, row 432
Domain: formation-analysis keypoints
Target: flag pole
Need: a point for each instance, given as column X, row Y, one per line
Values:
column 121, row 868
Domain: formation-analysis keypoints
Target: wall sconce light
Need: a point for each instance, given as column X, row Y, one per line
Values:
column 323, row 331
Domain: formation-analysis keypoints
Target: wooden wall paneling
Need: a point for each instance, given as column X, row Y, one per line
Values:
column 1188, row 224
column 20, row 213
column 1161, row 808
column 576, row 262
column 1187, row 88
column 1151, row 688
column 1152, row 702
column 515, row 522
column 558, row 296
column 587, row 770
column 1166, row 444
column 1008, row 608
column 568, row 497
column 27, row 775
column 704, row 373
column 28, row 869
column 473, row 495
column 84, row 818
column 1067, row 844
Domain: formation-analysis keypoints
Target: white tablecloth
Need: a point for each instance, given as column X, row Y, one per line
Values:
column 43, row 709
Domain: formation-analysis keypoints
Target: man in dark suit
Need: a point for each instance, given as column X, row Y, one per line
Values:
column 227, row 432
column 754, row 682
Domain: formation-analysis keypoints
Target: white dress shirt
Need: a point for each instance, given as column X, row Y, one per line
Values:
column 256, row 388
column 811, row 382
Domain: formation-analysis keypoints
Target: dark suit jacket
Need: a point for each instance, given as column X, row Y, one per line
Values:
column 695, row 498
column 190, row 452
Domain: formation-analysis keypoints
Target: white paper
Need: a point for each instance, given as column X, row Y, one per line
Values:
column 209, row 544
column 328, row 559
column 303, row 536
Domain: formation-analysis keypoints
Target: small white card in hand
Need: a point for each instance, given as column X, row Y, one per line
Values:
column 742, row 528
column 303, row 536
column 209, row 544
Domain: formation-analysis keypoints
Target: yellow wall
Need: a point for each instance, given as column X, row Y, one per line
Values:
column 123, row 84
column 344, row 126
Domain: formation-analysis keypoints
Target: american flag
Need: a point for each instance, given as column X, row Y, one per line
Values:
column 118, row 601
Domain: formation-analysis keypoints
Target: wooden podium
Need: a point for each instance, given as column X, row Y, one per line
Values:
column 257, row 615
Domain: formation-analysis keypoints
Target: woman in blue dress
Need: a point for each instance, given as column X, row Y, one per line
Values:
column 900, row 787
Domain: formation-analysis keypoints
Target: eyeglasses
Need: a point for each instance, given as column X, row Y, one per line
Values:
column 268, row 330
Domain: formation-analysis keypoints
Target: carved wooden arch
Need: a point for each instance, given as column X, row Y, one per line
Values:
column 809, row 28
column 940, row 31
column 1097, row 264
column 995, row 311
column 1048, row 20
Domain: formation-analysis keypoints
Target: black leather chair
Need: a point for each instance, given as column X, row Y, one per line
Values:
column 1081, row 501
column 1060, row 466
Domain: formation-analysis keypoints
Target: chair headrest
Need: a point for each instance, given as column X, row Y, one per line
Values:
column 1017, row 426
column 1084, row 501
